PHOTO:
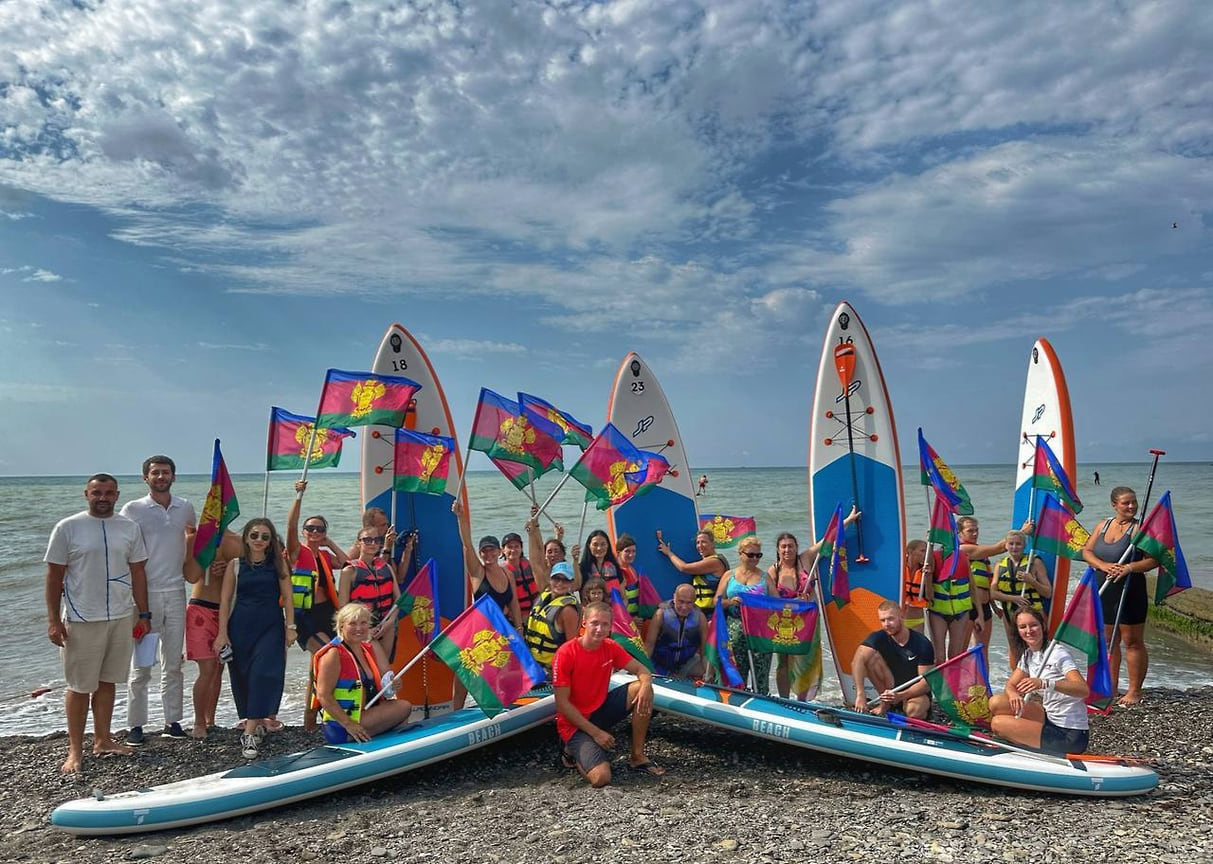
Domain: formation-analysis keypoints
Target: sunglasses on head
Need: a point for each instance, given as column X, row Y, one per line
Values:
column 754, row 556
column 315, row 529
column 257, row 535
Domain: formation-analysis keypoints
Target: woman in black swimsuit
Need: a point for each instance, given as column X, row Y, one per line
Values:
column 1104, row 551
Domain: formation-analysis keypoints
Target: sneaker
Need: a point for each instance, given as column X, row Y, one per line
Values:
column 135, row 736
column 173, row 730
column 248, row 746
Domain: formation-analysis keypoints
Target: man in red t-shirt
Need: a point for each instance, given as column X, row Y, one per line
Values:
column 585, row 710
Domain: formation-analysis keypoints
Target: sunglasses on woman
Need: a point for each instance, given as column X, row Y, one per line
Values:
column 753, row 556
column 374, row 541
column 315, row 529
column 257, row 535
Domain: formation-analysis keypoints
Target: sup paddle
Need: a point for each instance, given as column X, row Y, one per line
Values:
column 844, row 365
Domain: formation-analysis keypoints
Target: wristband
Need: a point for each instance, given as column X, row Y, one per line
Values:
column 292, row 626
column 298, row 496
column 146, row 616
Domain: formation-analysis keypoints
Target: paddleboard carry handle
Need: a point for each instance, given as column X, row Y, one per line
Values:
column 844, row 365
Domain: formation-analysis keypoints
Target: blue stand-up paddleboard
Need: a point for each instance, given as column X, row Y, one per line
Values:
column 284, row 779
column 1046, row 412
column 428, row 684
column 854, row 458
column 638, row 408
column 888, row 742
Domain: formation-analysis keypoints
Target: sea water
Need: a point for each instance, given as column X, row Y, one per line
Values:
column 776, row 497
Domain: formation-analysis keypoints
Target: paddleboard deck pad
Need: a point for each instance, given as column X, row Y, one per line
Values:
column 281, row 780
column 840, row 732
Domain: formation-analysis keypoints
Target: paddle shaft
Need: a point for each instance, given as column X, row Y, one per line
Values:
column 1128, row 553
column 844, row 365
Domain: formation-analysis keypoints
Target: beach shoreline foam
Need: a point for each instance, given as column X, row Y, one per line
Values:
column 726, row 796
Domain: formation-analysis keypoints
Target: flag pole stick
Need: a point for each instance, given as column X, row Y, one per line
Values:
column 530, row 479
column 265, row 495
column 585, row 505
column 905, row 685
column 463, row 470
column 559, row 486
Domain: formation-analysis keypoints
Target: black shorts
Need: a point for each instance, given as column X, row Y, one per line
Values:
column 317, row 621
column 1136, row 601
column 584, row 749
column 987, row 608
column 1059, row 740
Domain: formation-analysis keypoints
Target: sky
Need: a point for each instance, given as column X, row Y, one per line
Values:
column 205, row 204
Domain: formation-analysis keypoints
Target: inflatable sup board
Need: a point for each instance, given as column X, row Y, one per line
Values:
column 638, row 408
column 1046, row 412
column 854, row 458
column 282, row 780
column 427, row 685
column 891, row 742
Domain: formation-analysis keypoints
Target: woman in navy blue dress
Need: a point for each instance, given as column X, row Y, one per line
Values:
column 256, row 595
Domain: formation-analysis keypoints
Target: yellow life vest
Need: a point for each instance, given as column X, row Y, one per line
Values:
column 540, row 632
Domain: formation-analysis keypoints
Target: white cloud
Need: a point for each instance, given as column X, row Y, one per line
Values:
column 472, row 347
column 233, row 346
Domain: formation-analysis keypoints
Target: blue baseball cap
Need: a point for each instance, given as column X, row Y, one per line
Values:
column 562, row 570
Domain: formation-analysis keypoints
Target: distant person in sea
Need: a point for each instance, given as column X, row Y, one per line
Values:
column 587, row 708
column 96, row 602
column 543, row 553
column 981, row 576
column 890, row 657
column 677, row 635
column 521, row 571
column 555, row 618
column 1104, row 551
column 257, row 622
column 168, row 523
column 1043, row 703
column 370, row 579
column 705, row 573
column 314, row 563
column 349, row 674
column 747, row 577
column 1096, row 478
column 201, row 628
column 703, row 485
column 913, row 594
column 1017, row 585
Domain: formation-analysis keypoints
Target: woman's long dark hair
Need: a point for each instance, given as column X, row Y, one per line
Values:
column 587, row 560
column 273, row 551
column 1020, row 645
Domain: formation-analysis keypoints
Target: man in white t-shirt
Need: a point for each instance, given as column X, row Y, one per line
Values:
column 95, row 582
column 168, row 524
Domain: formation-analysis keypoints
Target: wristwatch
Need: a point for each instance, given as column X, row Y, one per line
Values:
column 147, row 616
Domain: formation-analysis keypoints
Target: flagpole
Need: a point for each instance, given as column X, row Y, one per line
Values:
column 463, row 470
column 265, row 496
column 585, row 505
column 559, row 486
column 908, row 684
column 530, row 479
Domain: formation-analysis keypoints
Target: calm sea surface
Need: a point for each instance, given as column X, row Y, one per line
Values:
column 777, row 497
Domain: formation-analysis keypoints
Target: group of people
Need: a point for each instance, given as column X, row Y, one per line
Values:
column 1042, row 703
column 114, row 577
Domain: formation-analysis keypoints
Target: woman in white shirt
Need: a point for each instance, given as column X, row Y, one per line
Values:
column 1043, row 704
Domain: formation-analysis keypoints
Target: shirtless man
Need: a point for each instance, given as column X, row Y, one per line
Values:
column 201, row 628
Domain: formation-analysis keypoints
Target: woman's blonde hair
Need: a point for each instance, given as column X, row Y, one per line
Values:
column 348, row 613
column 747, row 542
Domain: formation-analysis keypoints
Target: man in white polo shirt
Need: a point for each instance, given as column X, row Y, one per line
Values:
column 95, row 582
column 168, row 524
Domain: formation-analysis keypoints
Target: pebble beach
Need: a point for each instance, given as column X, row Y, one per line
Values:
column 725, row 798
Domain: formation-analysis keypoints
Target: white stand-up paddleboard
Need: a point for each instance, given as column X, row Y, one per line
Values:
column 1046, row 412
column 854, row 458
column 638, row 408
column 429, row 682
